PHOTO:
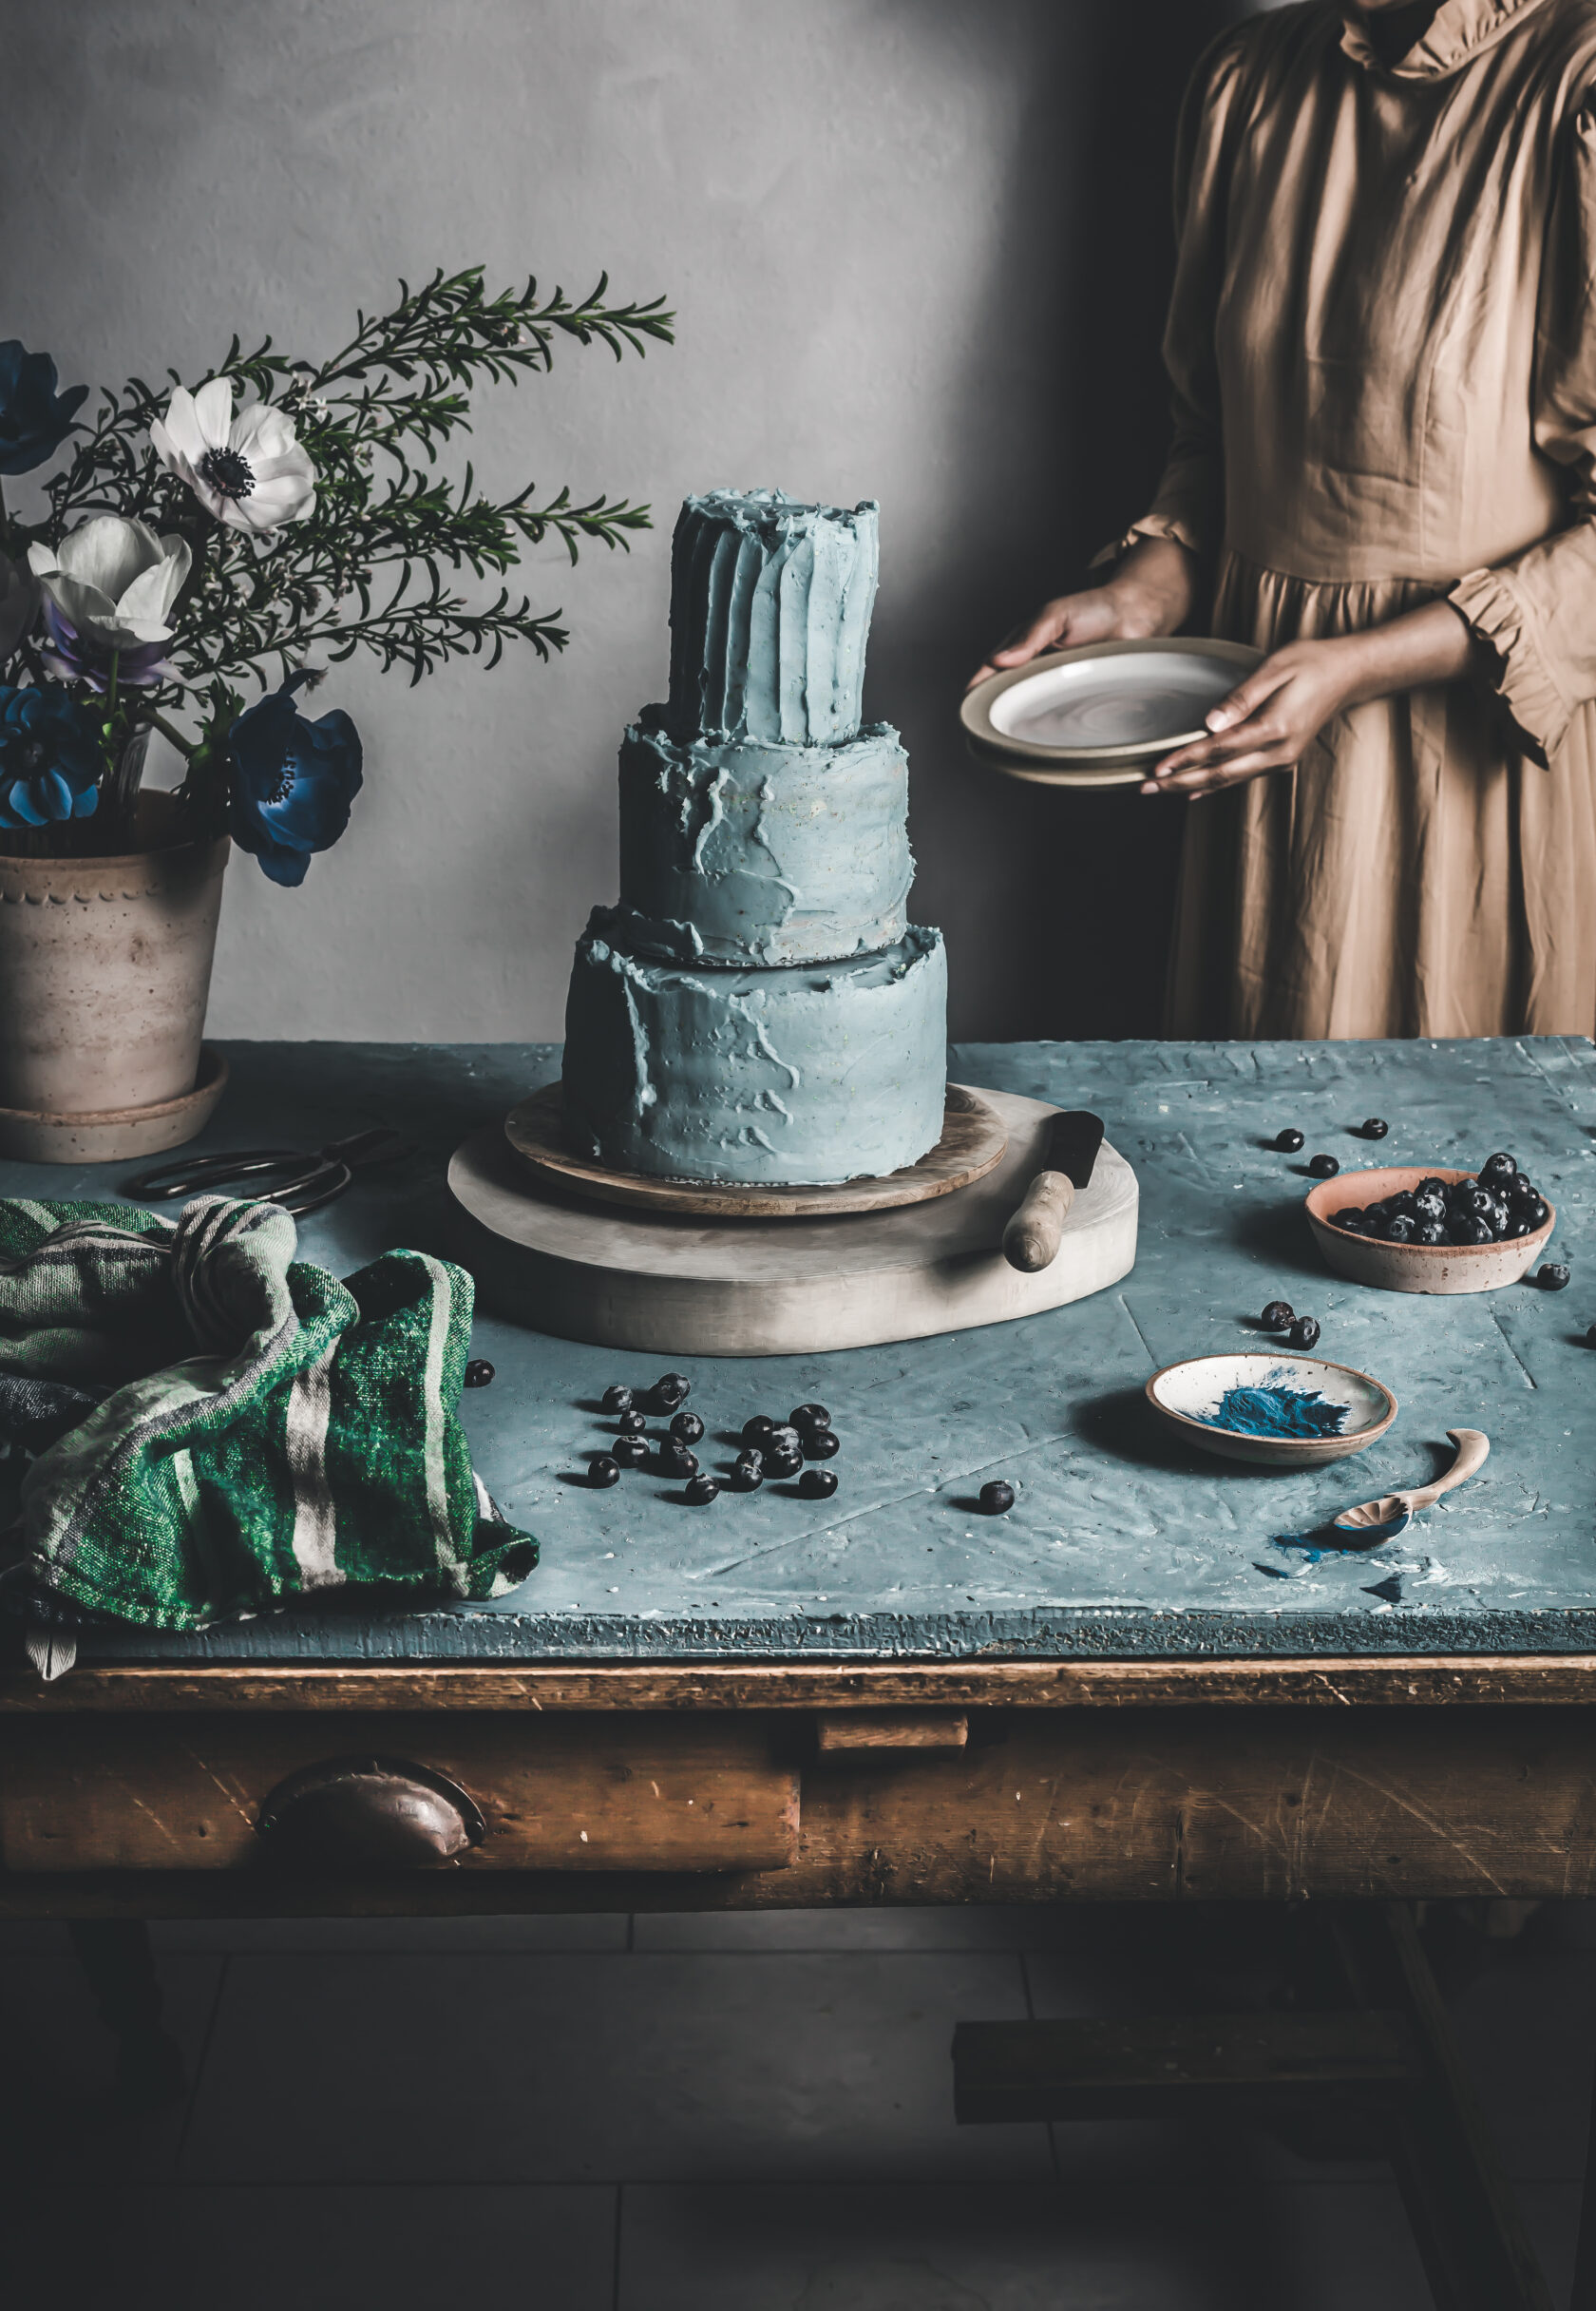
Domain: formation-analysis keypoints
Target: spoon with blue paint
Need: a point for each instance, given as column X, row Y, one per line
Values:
column 1382, row 1519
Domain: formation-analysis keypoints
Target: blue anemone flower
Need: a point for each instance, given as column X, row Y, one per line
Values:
column 292, row 781
column 50, row 757
column 34, row 419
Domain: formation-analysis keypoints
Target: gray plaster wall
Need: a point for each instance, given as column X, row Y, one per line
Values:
column 918, row 249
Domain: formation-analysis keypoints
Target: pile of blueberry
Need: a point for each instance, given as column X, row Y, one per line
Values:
column 1501, row 1203
column 770, row 1448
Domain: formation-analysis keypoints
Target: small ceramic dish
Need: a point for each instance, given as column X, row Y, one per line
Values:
column 1101, row 715
column 1414, row 1268
column 1191, row 1397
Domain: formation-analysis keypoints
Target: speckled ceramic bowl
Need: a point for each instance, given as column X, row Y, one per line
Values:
column 1187, row 1397
column 1414, row 1268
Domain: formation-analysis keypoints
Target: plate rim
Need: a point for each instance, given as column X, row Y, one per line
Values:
column 974, row 708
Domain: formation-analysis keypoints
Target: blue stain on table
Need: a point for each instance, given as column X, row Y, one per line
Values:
column 1281, row 1411
column 1122, row 1541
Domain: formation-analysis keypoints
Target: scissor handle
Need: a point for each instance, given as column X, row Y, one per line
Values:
column 164, row 1182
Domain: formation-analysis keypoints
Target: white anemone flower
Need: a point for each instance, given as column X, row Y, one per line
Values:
column 248, row 470
column 109, row 590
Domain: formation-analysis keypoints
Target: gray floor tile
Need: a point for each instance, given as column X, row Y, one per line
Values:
column 1528, row 2029
column 448, row 1936
column 975, row 1927
column 646, row 2068
column 58, row 2115
column 973, row 2248
column 512, row 2248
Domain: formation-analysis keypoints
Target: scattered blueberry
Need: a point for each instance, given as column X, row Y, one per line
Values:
column 782, row 1463
column 1323, row 1167
column 809, row 1416
column 820, row 1443
column 1374, row 1127
column 1304, row 1332
column 618, row 1398
column 783, row 1438
column 1551, row 1276
column 749, row 1473
column 998, row 1498
column 702, row 1490
column 1590, row 1337
column 1278, row 1317
column 603, row 1469
column 669, row 1390
column 630, row 1452
column 1288, row 1142
column 630, row 1425
column 675, row 1458
column 759, row 1430
column 818, row 1483
column 478, row 1372
column 686, row 1428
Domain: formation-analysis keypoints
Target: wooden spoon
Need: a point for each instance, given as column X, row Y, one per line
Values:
column 1381, row 1519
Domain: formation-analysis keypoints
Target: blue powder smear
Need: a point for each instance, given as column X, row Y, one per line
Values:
column 1277, row 1412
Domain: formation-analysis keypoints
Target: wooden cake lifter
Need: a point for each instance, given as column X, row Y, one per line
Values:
column 972, row 1142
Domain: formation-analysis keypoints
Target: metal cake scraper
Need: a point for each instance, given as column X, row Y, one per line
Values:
column 1069, row 1145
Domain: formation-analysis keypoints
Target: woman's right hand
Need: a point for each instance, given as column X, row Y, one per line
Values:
column 1151, row 593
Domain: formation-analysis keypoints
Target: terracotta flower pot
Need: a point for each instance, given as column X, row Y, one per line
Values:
column 104, row 974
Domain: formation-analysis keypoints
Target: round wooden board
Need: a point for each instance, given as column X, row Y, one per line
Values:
column 974, row 1139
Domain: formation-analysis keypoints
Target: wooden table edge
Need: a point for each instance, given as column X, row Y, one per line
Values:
column 1396, row 1680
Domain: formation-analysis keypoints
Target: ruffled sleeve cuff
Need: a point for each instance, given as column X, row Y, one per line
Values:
column 1514, row 661
column 1151, row 526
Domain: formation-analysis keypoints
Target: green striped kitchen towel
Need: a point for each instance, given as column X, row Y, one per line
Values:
column 262, row 1432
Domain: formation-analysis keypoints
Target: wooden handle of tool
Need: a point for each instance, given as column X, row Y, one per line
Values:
column 1472, row 1445
column 1031, row 1240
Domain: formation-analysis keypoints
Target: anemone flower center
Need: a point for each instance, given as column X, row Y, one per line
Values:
column 33, row 754
column 228, row 474
column 284, row 787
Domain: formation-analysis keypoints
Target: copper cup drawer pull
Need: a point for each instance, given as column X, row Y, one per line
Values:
column 369, row 1813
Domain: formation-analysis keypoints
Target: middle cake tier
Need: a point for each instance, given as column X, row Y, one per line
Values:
column 802, row 1076
column 739, row 853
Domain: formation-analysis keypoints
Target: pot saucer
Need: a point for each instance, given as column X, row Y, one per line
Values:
column 113, row 1134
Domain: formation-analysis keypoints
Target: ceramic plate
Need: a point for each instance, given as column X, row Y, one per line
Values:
column 1099, row 716
column 1191, row 1398
column 1416, row 1268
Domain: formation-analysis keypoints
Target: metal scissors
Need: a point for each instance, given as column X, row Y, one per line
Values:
column 301, row 1181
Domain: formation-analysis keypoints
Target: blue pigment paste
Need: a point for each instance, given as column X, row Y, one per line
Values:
column 1277, row 1412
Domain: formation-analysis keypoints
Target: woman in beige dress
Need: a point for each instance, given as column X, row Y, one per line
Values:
column 1382, row 345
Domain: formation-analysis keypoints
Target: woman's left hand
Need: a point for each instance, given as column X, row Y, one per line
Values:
column 1268, row 722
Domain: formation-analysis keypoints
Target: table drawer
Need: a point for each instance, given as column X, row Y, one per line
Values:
column 618, row 1792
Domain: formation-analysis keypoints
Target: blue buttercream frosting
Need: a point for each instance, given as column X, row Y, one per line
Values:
column 770, row 604
column 801, row 1076
column 741, row 852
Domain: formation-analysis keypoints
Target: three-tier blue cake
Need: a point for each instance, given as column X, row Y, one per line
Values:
column 758, row 1008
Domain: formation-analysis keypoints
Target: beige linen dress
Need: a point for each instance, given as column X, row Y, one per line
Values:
column 1382, row 343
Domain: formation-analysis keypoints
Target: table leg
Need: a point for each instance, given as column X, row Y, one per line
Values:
column 119, row 1964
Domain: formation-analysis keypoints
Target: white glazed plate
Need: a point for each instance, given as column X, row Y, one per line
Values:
column 1101, row 715
column 1188, row 1398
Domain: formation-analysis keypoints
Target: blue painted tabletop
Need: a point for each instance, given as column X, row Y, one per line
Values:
column 1122, row 1541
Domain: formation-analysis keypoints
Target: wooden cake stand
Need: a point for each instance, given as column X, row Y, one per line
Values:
column 972, row 1141
column 552, row 1249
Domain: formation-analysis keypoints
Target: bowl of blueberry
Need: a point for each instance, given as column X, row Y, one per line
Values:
column 1411, row 1231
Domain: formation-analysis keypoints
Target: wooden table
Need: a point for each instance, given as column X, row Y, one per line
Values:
column 1121, row 1689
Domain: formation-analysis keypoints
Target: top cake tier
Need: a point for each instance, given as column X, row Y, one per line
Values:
column 769, row 615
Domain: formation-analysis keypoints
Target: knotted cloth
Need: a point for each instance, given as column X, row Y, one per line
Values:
column 247, row 1429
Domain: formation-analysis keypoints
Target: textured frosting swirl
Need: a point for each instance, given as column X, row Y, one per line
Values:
column 770, row 604
column 800, row 1075
column 745, row 853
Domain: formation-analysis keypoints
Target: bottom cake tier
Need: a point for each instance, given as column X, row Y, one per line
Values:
column 796, row 1076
